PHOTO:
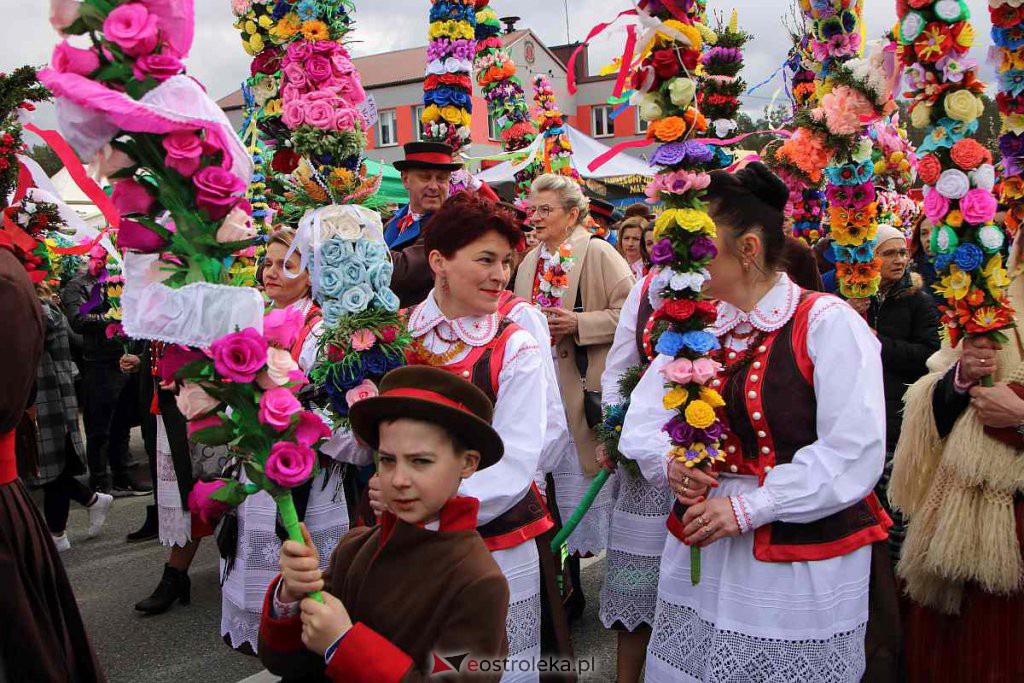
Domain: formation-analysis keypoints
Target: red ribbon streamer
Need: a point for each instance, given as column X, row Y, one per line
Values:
column 601, row 160
column 67, row 155
column 627, row 58
column 594, row 32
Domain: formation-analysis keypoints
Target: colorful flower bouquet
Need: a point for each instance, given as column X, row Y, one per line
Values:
column 364, row 335
column 720, row 84
column 1008, row 57
column 957, row 171
column 610, row 430
column 448, row 88
column 241, row 393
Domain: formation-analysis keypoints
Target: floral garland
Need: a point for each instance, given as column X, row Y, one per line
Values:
column 1008, row 56
column 179, row 192
column 720, row 84
column 609, row 432
column 553, row 282
column 448, row 88
column 39, row 220
column 830, row 142
column 957, row 171
column 18, row 90
column 506, row 100
column 551, row 123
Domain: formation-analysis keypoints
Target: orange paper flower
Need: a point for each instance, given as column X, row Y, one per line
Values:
column 668, row 129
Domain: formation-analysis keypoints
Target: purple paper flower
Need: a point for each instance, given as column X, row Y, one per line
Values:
column 679, row 431
column 711, row 434
column 669, row 154
column 702, row 247
column 662, row 252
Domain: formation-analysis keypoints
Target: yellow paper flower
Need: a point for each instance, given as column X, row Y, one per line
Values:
column 675, row 398
column 955, row 285
column 273, row 107
column 996, row 277
column 286, row 28
column 265, row 21
column 450, row 29
column 963, row 105
column 954, row 218
column 699, row 414
column 965, row 38
column 711, row 397
column 921, row 115
column 315, row 30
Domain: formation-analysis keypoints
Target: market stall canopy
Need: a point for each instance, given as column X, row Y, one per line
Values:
column 74, row 197
column 391, row 189
column 584, row 150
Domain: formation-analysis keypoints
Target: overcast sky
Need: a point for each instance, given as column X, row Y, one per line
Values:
column 218, row 60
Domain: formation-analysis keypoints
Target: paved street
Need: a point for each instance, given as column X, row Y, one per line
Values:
column 184, row 645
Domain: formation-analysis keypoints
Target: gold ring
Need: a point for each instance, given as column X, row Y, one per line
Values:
column 707, row 532
column 701, row 521
column 686, row 483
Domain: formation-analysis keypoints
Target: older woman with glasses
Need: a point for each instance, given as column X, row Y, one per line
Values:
column 580, row 284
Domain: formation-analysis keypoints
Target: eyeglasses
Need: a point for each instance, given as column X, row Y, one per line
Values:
column 540, row 211
column 893, row 253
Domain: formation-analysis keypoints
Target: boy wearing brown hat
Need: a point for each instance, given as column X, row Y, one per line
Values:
column 420, row 584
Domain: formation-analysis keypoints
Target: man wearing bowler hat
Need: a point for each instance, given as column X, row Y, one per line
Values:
column 426, row 171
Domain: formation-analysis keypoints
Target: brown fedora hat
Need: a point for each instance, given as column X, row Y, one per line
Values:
column 428, row 394
column 435, row 155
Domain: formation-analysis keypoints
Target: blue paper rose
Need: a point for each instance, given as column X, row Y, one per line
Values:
column 942, row 261
column 353, row 273
column 375, row 362
column 356, row 299
column 670, row 343
column 380, row 276
column 371, row 252
column 332, row 310
column 332, row 284
column 387, row 300
column 968, row 256
column 699, row 341
column 335, row 252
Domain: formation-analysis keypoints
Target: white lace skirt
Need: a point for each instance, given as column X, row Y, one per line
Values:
column 173, row 520
column 591, row 536
column 758, row 621
column 521, row 567
column 256, row 557
column 635, row 542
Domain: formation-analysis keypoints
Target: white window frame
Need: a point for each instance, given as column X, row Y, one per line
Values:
column 493, row 132
column 417, row 123
column 393, row 118
column 609, row 123
column 641, row 124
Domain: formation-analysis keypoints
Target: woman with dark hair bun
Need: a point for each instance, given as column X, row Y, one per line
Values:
column 785, row 524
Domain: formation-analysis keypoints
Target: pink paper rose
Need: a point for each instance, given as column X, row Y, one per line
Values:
column 134, row 236
column 236, row 227
column 311, row 428
column 277, row 407
column 184, row 151
column 679, row 371
column 319, row 114
column 67, row 59
column 294, row 75
column 174, row 358
column 281, row 326
column 289, row 464
column 132, row 28
column 345, row 119
column 159, row 67
column 364, row 390
column 299, row 51
column 218, row 190
column 363, row 340
column 63, row 13
column 280, row 365
column 238, row 356
column 705, row 369
column 193, row 401
column 298, row 379
column 202, row 503
column 293, row 114
column 343, row 66
column 846, row 111
column 209, row 430
column 318, row 68
column 935, row 206
column 978, row 206
column 131, row 197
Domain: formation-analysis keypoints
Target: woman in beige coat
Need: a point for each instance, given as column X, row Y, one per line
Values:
column 580, row 284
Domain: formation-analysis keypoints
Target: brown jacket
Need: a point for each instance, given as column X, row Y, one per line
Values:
column 412, row 278
column 603, row 279
column 410, row 593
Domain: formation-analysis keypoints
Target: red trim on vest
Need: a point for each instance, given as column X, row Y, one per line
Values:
column 801, row 321
column 498, row 355
column 766, row 551
column 312, row 318
column 675, row 525
column 524, row 533
column 363, row 655
column 507, row 301
column 283, row 634
column 8, row 458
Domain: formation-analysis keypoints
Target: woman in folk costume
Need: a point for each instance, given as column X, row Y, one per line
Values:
column 786, row 530
column 580, row 284
column 321, row 504
column 469, row 243
column 637, row 531
column 958, row 478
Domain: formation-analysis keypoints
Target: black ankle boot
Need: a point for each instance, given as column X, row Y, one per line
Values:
column 175, row 585
column 149, row 529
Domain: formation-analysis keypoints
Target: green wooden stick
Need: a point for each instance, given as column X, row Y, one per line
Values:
column 290, row 518
column 694, row 565
column 574, row 520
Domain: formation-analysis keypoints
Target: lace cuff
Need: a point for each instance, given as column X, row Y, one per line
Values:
column 741, row 512
column 284, row 610
column 760, row 508
column 960, row 385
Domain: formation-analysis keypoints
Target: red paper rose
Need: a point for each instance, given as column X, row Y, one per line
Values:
column 285, row 161
column 1005, row 16
column 665, row 63
column 928, row 169
column 968, row 154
